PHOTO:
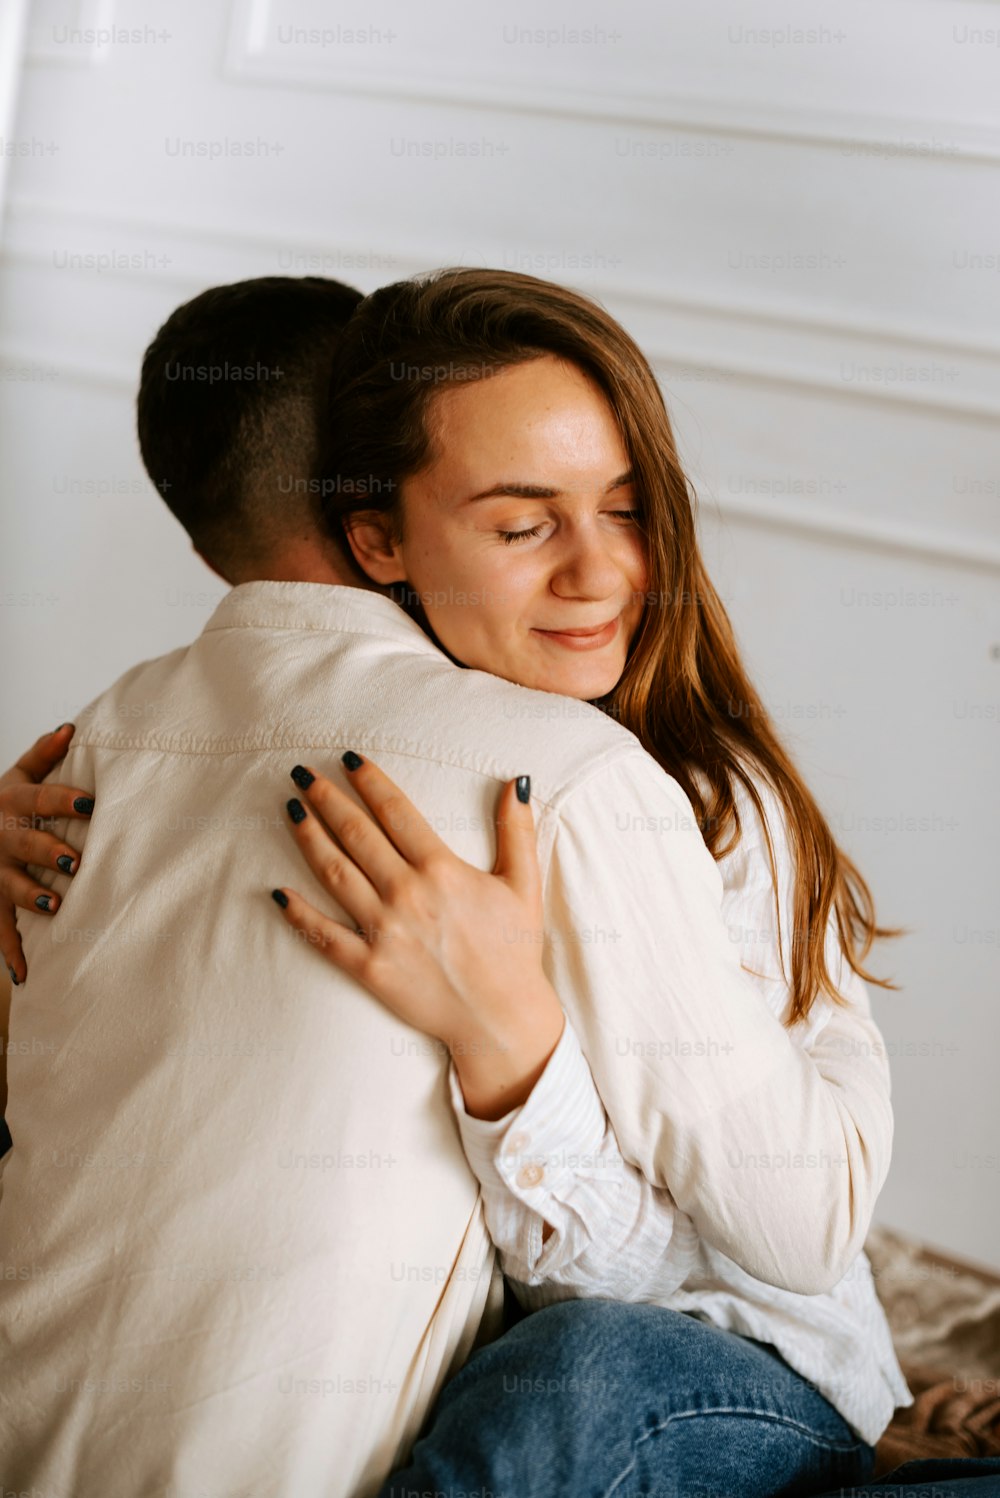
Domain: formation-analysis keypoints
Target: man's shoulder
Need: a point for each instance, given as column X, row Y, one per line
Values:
column 565, row 739
column 254, row 689
column 134, row 698
column 576, row 752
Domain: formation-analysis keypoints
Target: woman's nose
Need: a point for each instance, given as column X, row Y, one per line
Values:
column 588, row 567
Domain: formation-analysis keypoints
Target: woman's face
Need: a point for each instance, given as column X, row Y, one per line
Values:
column 520, row 538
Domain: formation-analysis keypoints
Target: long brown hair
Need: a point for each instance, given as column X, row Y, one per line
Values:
column 685, row 693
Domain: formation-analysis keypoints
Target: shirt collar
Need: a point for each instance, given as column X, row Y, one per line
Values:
column 264, row 604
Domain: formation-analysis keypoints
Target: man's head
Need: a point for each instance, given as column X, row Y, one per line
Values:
column 233, row 391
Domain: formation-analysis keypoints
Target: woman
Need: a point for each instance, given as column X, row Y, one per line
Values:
column 503, row 457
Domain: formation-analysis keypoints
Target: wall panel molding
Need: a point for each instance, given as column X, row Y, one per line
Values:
column 249, row 59
column 779, row 344
column 90, row 19
column 58, row 365
column 686, row 339
column 855, row 530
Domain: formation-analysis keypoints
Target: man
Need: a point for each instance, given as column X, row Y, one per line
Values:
column 245, row 1248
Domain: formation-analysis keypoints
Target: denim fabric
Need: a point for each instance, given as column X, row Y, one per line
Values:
column 593, row 1398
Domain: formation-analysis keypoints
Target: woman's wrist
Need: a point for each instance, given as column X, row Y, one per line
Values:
column 497, row 1071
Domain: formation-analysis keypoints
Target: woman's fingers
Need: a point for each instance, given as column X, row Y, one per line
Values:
column 23, row 844
column 517, row 850
column 363, row 840
column 17, row 888
column 342, row 945
column 32, row 802
column 339, row 875
column 22, row 804
column 10, row 945
column 46, row 752
column 411, row 833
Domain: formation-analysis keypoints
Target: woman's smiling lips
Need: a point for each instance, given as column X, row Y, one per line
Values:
column 582, row 639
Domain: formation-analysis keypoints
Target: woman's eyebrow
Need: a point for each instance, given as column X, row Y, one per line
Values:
column 515, row 490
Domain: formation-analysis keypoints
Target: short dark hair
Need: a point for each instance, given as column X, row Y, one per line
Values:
column 232, row 397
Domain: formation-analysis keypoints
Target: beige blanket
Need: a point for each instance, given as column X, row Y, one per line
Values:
column 945, row 1320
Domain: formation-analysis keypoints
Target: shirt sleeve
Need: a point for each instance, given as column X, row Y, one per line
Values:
column 555, row 1160
column 774, row 1144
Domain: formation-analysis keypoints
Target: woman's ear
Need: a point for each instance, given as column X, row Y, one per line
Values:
column 370, row 534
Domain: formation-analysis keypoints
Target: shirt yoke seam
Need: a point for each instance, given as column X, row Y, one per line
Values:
column 105, row 739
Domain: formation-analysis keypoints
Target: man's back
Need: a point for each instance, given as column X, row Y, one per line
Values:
column 241, row 1244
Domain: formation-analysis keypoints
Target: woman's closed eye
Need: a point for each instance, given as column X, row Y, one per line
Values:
column 510, row 538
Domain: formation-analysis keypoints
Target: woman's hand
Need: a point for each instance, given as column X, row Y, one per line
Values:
column 22, row 801
column 451, row 950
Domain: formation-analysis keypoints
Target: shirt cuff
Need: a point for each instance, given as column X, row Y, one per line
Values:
column 538, row 1150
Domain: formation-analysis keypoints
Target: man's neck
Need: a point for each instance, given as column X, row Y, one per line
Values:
column 306, row 562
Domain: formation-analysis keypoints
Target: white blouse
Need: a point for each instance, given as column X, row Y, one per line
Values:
column 556, row 1160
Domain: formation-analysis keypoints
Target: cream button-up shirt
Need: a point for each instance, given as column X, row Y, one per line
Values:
column 241, row 1243
column 555, row 1161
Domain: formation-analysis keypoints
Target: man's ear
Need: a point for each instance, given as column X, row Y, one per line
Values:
column 370, row 536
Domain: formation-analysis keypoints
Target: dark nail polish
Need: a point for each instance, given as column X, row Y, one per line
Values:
column 61, row 727
column 296, row 810
column 524, row 788
column 352, row 760
column 44, row 902
column 280, row 898
column 65, row 863
column 84, row 805
column 13, row 976
column 303, row 777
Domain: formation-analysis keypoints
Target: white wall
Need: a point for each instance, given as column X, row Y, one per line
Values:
column 796, row 212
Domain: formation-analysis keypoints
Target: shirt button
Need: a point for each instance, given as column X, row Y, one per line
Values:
column 530, row 1175
column 518, row 1142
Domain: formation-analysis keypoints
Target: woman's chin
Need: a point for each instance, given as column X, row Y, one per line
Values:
column 587, row 681
column 584, row 685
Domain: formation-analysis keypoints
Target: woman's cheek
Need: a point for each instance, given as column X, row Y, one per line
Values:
column 525, row 572
column 637, row 571
column 447, row 572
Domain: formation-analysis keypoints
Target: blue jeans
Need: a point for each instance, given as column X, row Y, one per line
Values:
column 593, row 1398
